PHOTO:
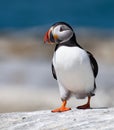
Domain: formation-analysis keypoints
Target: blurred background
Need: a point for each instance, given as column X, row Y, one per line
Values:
column 26, row 81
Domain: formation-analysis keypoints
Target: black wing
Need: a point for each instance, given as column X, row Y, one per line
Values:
column 53, row 72
column 94, row 64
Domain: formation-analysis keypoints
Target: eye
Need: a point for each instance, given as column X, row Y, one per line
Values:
column 61, row 29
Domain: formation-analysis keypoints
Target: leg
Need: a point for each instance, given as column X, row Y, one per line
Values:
column 65, row 95
column 86, row 106
column 62, row 108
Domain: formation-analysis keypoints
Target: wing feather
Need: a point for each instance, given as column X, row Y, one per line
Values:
column 94, row 64
column 53, row 72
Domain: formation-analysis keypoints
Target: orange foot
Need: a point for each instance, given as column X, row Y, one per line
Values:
column 86, row 106
column 62, row 108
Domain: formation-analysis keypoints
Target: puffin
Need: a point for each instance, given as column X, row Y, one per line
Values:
column 74, row 68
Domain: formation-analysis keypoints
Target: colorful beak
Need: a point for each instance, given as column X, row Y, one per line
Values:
column 46, row 37
column 49, row 38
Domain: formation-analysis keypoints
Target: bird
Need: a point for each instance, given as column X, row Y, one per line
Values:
column 74, row 68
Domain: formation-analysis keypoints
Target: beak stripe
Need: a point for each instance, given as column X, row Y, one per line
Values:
column 46, row 38
column 51, row 37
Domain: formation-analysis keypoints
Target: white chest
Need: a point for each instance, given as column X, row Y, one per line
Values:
column 73, row 68
column 68, row 58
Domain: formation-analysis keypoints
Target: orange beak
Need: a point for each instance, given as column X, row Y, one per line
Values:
column 46, row 37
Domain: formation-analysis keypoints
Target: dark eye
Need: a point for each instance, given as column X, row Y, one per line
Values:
column 61, row 29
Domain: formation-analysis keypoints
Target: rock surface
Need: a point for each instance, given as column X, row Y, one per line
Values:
column 92, row 119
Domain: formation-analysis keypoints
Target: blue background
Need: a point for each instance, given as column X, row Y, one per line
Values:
column 29, row 13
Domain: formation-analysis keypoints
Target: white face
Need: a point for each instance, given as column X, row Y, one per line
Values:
column 62, row 33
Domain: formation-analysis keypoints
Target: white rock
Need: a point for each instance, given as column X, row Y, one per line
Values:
column 92, row 119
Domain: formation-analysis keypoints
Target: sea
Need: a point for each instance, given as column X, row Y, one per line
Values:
column 19, row 14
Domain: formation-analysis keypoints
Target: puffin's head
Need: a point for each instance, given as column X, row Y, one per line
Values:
column 59, row 32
